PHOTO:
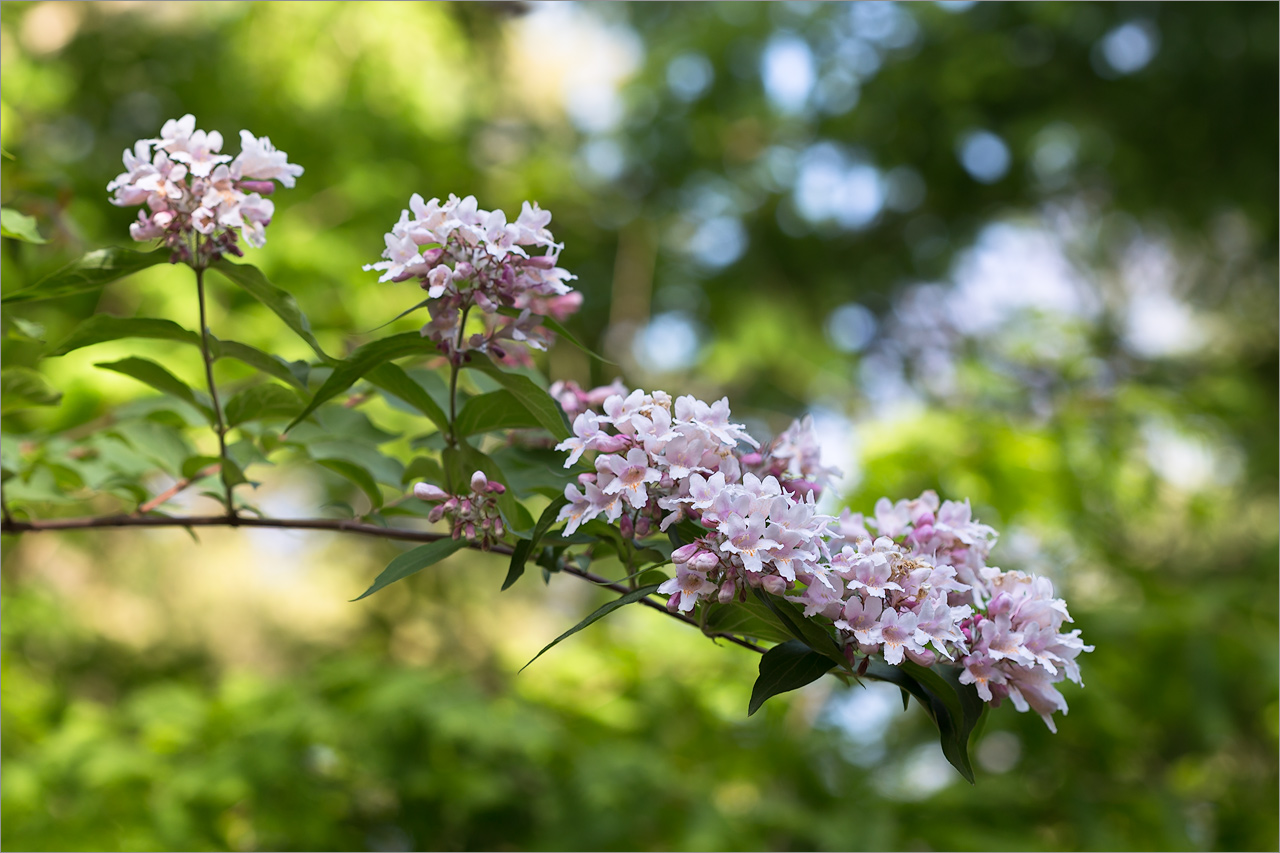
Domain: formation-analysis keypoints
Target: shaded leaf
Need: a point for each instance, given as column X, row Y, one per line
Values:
column 525, row 546
column 537, row 402
column 250, row 279
column 393, row 379
column 104, row 327
column 493, row 411
column 464, row 460
column 423, row 468
column 633, row 596
column 150, row 373
column 747, row 619
column 261, row 401
column 805, row 630
column 788, row 666
column 357, row 475
column 362, row 361
column 19, row 226
column 413, row 561
column 22, row 388
column 295, row 373
column 94, row 270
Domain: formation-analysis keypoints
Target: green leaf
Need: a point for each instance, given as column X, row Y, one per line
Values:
column 166, row 446
column 414, row 561
column 357, row 475
column 464, row 460
column 634, row 595
column 747, row 619
column 273, row 365
column 956, row 709
column 555, row 326
column 150, row 373
column 19, row 226
column 94, row 270
column 423, row 468
column 362, row 361
column 26, row 330
column 393, row 379
column 493, row 411
column 252, row 281
column 103, row 327
column 525, row 546
column 537, row 402
column 805, row 630
column 22, row 388
column 262, row 401
column 195, row 464
column 785, row 667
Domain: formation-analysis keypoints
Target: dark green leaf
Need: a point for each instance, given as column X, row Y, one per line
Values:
column 423, row 468
column 19, row 226
column 555, row 326
column 493, row 411
column 362, row 361
column 394, row 380
column 252, row 281
column 537, row 402
column 195, row 464
column 634, row 595
column 91, row 272
column 805, row 630
column 104, row 327
column 784, row 667
column 22, row 388
column 525, row 546
column 150, row 373
column 292, row 372
column 262, row 401
column 357, row 475
column 414, row 561
column 747, row 619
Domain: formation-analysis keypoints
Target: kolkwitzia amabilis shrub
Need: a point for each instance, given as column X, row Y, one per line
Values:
column 199, row 201
column 919, row 589
column 467, row 257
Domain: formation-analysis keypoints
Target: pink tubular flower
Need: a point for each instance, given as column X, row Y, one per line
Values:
column 202, row 202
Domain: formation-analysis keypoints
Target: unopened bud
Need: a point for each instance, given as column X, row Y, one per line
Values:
column 643, row 526
column 498, row 529
column 684, row 553
column 673, row 603
column 437, row 513
column 428, row 492
column 925, row 658
column 727, row 589
column 496, row 488
column 627, row 527
column 542, row 262
column 260, row 187
column 583, row 479
column 704, row 561
column 471, row 530
column 479, row 481
column 752, row 459
column 774, row 585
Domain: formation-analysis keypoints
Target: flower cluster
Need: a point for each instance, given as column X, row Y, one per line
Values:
column 467, row 257
column 198, row 200
column 474, row 515
column 919, row 589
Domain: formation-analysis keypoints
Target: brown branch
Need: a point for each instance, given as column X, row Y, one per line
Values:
column 168, row 493
column 336, row 525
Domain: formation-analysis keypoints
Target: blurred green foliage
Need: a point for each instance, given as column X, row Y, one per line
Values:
column 1123, row 437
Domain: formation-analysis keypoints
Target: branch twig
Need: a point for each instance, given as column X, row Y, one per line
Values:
column 169, row 493
column 336, row 525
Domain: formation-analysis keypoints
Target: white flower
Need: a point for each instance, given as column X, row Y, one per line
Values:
column 260, row 160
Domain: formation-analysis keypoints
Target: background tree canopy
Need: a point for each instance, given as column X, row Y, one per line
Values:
column 1023, row 253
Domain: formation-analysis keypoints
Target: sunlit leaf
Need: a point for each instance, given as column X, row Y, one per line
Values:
column 357, row 475
column 150, row 373
column 537, row 402
column 348, row 371
column 393, row 379
column 629, row 598
column 493, row 411
column 22, row 388
column 103, row 327
column 252, row 281
column 90, row 272
column 19, row 226
column 414, row 561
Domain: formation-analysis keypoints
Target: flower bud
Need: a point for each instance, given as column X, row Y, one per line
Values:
column 773, row 585
column 627, row 527
column 496, row 488
column 437, row 513
column 479, row 482
column 727, row 589
column 498, row 529
column 583, row 479
column 752, row 459
column 428, row 492
column 260, row 187
column 704, row 561
column 673, row 603
column 542, row 262
column 925, row 658
column 684, row 553
column 643, row 526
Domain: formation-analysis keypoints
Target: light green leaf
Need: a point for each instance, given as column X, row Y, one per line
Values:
column 22, row 388
column 150, row 373
column 411, row 562
column 633, row 596
column 393, row 379
column 785, row 667
column 537, row 402
column 104, row 327
column 262, row 401
column 362, row 361
column 250, row 279
column 19, row 226
column 91, row 272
